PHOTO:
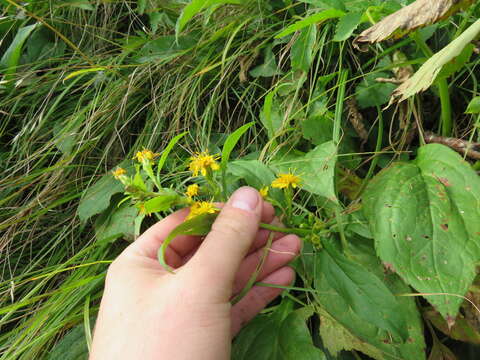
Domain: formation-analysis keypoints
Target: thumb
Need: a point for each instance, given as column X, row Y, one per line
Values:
column 233, row 232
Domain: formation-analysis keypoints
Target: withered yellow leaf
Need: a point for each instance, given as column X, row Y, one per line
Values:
column 429, row 71
column 416, row 15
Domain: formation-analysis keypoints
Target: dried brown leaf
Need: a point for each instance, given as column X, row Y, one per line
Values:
column 416, row 15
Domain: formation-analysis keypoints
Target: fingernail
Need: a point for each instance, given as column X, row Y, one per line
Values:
column 245, row 198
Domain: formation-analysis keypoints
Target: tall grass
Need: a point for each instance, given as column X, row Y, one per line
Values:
column 58, row 136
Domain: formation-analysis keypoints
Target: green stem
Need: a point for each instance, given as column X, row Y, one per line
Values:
column 299, row 232
column 254, row 276
column 446, row 106
column 442, row 84
column 378, row 148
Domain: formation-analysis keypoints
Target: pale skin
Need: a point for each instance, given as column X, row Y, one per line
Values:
column 149, row 313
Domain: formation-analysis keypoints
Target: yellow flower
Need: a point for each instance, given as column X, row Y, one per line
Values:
column 284, row 181
column 119, row 172
column 264, row 191
column 202, row 162
column 145, row 155
column 200, row 208
column 192, row 190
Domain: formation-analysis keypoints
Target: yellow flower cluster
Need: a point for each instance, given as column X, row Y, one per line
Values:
column 118, row 172
column 200, row 208
column 264, row 191
column 145, row 155
column 192, row 190
column 284, row 181
column 203, row 162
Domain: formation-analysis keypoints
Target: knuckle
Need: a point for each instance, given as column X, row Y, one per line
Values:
column 226, row 230
column 231, row 224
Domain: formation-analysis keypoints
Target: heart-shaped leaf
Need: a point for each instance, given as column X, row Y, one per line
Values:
column 424, row 216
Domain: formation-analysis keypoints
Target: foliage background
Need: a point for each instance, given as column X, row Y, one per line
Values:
column 87, row 83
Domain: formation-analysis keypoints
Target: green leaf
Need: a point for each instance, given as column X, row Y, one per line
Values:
column 271, row 116
column 441, row 352
column 343, row 329
column 81, row 4
column 283, row 335
column 424, row 218
column 372, row 93
column 347, row 25
column 118, row 222
column 316, row 169
column 141, row 6
column 228, row 146
column 165, row 48
column 97, row 197
column 318, row 129
column 310, row 20
column 195, row 7
column 364, row 293
column 255, row 173
column 462, row 330
column 200, row 225
column 72, row 346
column 159, row 203
column 167, row 150
column 429, row 71
column 474, row 106
column 42, row 45
column 138, row 179
column 269, row 67
column 231, row 141
column 301, row 55
column 11, row 57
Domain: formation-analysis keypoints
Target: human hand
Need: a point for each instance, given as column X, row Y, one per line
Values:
column 149, row 313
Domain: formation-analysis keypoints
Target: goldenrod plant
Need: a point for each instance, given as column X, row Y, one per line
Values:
column 357, row 120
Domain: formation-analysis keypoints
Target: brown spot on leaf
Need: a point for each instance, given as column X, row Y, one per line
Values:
column 444, row 181
column 389, row 267
column 444, row 226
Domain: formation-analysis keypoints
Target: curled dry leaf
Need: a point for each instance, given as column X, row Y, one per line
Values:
column 418, row 14
column 429, row 71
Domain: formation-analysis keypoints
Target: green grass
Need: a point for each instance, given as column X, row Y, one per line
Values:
column 58, row 137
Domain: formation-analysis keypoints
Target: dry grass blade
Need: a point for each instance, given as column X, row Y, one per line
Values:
column 419, row 14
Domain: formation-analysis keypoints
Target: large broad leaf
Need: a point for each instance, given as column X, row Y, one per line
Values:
column 283, row 335
column 269, row 67
column 419, row 14
column 73, row 346
column 373, row 93
column 347, row 25
column 365, row 294
column 11, row 57
column 343, row 328
column 316, row 169
column 97, row 197
column 429, row 71
column 256, row 174
column 301, row 56
column 165, row 48
column 424, row 218
column 116, row 223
